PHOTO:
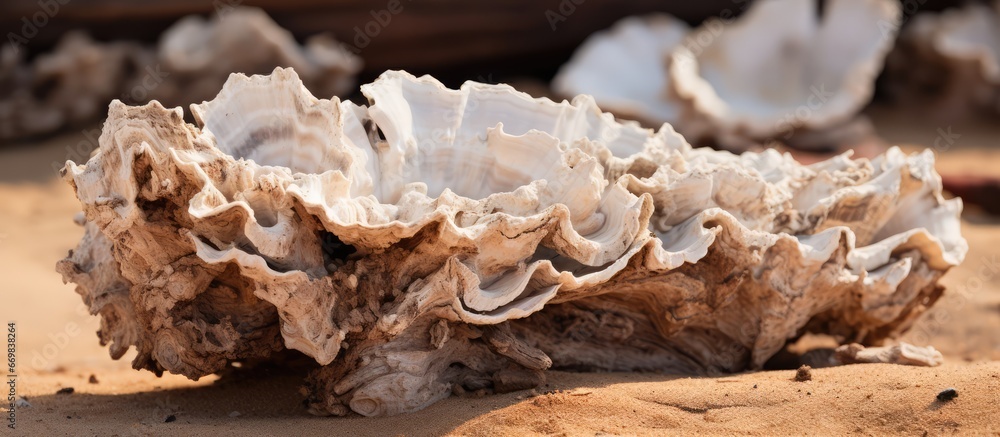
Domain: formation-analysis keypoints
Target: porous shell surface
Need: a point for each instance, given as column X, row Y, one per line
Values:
column 443, row 240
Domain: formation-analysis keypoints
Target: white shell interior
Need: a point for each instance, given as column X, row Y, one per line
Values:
column 780, row 65
column 481, row 209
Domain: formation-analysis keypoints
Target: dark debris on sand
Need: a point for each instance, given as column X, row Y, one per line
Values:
column 804, row 373
column 947, row 395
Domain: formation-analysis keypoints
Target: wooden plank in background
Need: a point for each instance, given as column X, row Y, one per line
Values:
column 427, row 36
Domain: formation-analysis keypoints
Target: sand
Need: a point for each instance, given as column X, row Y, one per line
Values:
column 57, row 348
column 869, row 399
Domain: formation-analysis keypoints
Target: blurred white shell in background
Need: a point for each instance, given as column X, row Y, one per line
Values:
column 782, row 67
column 624, row 68
column 200, row 54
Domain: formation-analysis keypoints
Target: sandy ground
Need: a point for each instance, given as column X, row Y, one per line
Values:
column 57, row 348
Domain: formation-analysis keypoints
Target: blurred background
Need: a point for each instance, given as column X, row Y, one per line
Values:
column 451, row 39
column 63, row 61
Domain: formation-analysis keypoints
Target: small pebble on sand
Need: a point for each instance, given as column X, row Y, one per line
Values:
column 803, row 374
column 947, row 395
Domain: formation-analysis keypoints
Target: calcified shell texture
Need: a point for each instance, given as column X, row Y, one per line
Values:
column 440, row 241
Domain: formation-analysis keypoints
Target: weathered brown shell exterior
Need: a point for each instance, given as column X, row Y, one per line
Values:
column 599, row 246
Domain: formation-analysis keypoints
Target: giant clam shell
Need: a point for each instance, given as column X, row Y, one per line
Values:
column 779, row 68
column 473, row 238
column 776, row 72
